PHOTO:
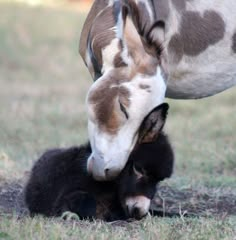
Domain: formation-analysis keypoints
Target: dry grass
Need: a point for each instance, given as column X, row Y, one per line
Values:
column 149, row 228
column 43, row 87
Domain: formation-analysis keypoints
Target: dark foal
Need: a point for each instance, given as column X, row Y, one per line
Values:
column 59, row 180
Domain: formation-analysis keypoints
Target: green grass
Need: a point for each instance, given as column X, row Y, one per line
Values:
column 43, row 81
column 149, row 228
column 43, row 84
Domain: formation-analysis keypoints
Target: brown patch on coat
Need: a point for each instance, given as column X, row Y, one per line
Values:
column 101, row 33
column 175, row 47
column 198, row 32
column 94, row 11
column 234, row 43
column 105, row 100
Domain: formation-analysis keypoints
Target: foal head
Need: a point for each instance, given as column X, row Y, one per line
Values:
column 151, row 162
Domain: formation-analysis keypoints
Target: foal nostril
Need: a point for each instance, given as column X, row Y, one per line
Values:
column 135, row 213
column 127, row 209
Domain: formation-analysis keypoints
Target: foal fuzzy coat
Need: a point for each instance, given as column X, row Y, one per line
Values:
column 59, row 181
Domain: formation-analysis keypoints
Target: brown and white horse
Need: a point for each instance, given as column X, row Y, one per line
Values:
column 138, row 52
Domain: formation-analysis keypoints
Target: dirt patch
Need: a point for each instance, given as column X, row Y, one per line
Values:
column 168, row 202
column 11, row 198
column 196, row 202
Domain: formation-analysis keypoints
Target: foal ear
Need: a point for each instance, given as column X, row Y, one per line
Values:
column 153, row 124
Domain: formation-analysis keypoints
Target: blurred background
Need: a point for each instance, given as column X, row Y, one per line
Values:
column 43, row 85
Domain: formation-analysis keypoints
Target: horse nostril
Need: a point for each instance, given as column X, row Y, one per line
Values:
column 135, row 211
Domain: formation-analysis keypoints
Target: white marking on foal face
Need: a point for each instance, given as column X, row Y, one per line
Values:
column 115, row 111
column 137, row 206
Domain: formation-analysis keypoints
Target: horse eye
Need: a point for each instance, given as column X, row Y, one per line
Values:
column 122, row 108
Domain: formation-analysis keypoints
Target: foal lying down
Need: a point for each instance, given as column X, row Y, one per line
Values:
column 59, row 180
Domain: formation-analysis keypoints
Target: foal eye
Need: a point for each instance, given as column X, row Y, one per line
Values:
column 122, row 108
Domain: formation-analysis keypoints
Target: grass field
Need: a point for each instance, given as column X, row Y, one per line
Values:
column 43, row 84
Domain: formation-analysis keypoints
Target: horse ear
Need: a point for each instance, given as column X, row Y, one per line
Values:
column 153, row 124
